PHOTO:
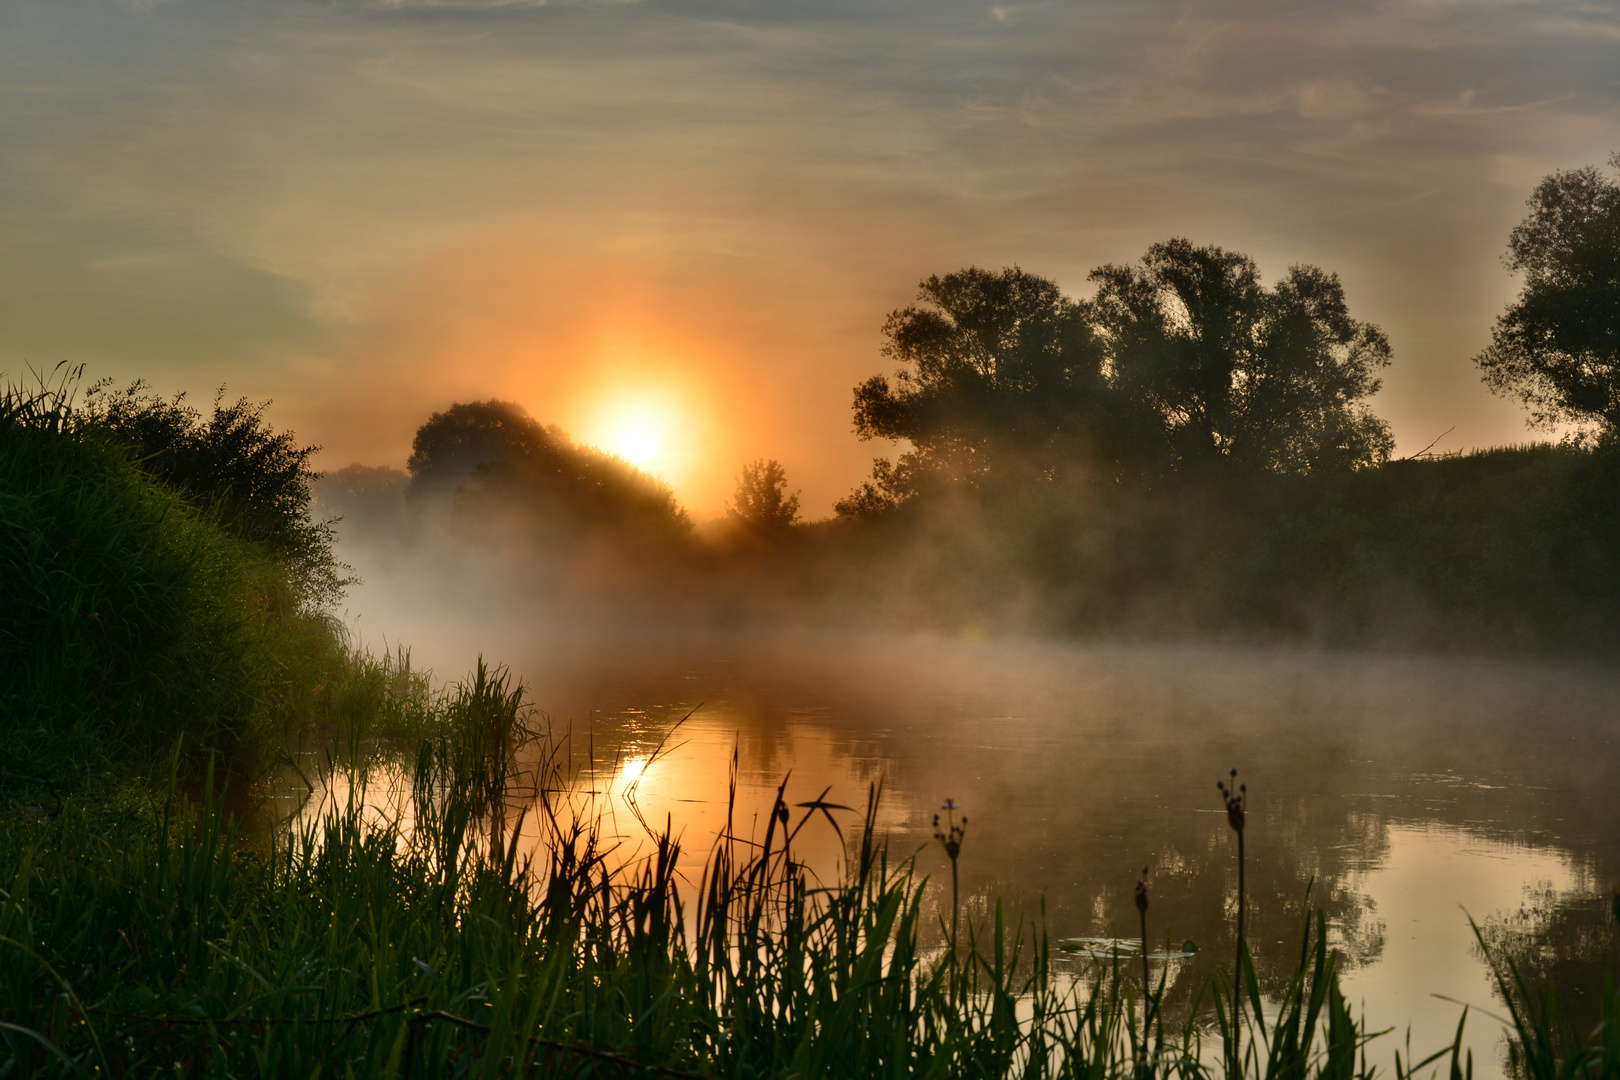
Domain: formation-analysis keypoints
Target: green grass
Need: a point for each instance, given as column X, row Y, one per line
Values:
column 132, row 620
column 158, row 939
column 348, row 946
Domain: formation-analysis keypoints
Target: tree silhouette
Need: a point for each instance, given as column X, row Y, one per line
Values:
column 1558, row 347
column 450, row 448
column 1182, row 359
column 1002, row 376
column 495, row 458
column 761, row 500
column 1271, row 378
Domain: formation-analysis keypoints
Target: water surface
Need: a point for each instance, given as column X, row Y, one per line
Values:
column 1405, row 794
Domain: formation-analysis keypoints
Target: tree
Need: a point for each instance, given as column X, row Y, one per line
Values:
column 761, row 501
column 497, row 460
column 1272, row 378
column 1001, row 370
column 1557, row 348
column 450, row 448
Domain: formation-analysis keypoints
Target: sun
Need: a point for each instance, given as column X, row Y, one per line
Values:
column 638, row 444
column 636, row 429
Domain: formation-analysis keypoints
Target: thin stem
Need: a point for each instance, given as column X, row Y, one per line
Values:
column 1237, row 973
column 1147, row 993
column 953, row 909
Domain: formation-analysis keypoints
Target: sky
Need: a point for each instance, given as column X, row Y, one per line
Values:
column 675, row 228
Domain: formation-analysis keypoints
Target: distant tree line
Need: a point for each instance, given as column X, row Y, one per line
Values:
column 492, row 459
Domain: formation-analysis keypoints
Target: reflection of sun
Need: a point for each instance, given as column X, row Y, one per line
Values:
column 631, row 771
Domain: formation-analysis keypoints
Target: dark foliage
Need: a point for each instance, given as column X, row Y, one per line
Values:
column 761, row 502
column 1512, row 549
column 1269, row 378
column 1002, row 375
column 130, row 619
column 253, row 480
column 495, row 459
column 1181, row 361
column 1557, row 348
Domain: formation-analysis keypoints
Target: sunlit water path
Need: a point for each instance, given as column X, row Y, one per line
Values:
column 1408, row 794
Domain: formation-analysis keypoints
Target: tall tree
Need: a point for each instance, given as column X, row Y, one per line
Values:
column 1272, row 378
column 1558, row 347
column 998, row 368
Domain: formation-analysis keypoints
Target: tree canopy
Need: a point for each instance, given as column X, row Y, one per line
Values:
column 1181, row 359
column 998, row 366
column 1557, row 348
column 495, row 458
column 1272, row 378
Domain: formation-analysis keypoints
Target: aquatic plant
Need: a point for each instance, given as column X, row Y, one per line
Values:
column 359, row 946
column 1141, row 900
column 1236, row 798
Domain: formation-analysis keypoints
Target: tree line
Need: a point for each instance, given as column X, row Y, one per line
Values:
column 1185, row 362
column 1182, row 366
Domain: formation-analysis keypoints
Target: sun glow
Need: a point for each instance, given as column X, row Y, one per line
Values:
column 640, row 430
column 638, row 443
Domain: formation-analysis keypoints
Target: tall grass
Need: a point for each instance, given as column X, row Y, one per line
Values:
column 131, row 619
column 358, row 946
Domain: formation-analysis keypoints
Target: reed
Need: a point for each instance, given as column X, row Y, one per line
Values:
column 1236, row 798
column 439, row 944
column 950, row 835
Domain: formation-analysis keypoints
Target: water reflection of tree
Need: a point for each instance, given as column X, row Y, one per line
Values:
column 1561, row 938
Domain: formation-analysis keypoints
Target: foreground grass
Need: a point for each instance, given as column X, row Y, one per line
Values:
column 156, row 939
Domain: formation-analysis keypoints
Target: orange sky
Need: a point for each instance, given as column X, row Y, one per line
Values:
column 706, row 362
column 698, row 212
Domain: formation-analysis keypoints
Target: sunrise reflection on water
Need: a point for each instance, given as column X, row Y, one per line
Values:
column 1406, row 794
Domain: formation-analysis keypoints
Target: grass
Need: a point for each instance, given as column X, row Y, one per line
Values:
column 359, row 947
column 158, row 938
column 132, row 619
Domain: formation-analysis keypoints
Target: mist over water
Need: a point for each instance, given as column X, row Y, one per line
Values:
column 1407, row 793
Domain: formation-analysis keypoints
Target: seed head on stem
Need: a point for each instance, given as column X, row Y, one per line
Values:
column 1237, row 801
column 950, row 836
column 1147, row 985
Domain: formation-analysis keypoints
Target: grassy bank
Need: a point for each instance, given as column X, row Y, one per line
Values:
column 141, row 610
column 1507, row 550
